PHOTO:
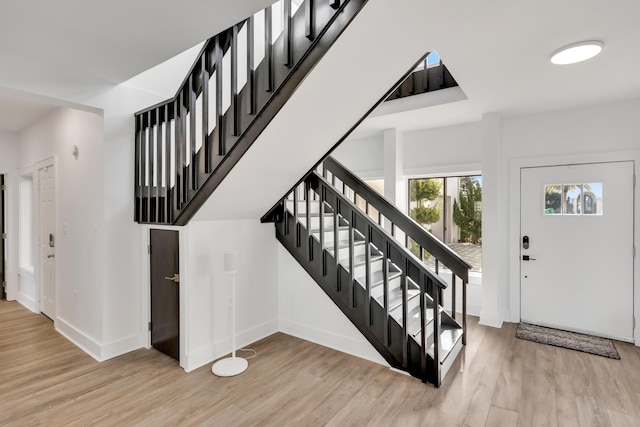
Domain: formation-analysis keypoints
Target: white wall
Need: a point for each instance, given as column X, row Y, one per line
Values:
column 499, row 147
column 9, row 155
column 600, row 133
column 363, row 155
column 95, row 200
column 305, row 311
column 443, row 151
column 440, row 151
column 79, row 207
column 207, row 287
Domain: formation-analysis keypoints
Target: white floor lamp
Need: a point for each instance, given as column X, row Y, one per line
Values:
column 233, row 365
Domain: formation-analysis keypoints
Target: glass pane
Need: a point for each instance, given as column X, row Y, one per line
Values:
column 425, row 202
column 553, row 200
column 572, row 199
column 467, row 210
column 592, row 198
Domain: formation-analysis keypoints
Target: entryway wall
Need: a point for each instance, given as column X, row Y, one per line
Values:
column 603, row 133
column 498, row 146
column 80, row 215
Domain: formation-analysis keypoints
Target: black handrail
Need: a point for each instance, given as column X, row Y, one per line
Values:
column 416, row 232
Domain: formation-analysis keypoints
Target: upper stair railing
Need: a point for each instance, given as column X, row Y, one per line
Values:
column 426, row 77
column 185, row 146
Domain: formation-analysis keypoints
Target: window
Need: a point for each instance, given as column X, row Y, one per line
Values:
column 573, row 199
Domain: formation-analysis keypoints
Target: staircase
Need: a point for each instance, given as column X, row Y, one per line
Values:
column 349, row 239
column 356, row 247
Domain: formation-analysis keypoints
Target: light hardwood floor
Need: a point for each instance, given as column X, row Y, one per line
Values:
column 498, row 381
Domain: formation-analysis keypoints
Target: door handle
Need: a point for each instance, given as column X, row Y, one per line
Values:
column 175, row 278
column 527, row 258
column 50, row 256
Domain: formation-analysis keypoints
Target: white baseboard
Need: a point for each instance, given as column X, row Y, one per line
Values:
column 490, row 319
column 209, row 353
column 362, row 349
column 28, row 302
column 79, row 338
column 122, row 346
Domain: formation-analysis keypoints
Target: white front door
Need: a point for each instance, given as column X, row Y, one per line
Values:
column 47, row 210
column 576, row 248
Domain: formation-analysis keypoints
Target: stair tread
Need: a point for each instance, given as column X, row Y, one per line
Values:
column 412, row 298
column 377, row 277
column 449, row 336
column 413, row 325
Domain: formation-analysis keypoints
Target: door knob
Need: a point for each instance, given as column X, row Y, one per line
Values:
column 175, row 278
column 527, row 258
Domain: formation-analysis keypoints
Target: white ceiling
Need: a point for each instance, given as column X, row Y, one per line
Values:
column 497, row 50
column 64, row 47
column 18, row 110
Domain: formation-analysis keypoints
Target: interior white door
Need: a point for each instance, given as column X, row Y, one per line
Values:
column 47, row 219
column 576, row 248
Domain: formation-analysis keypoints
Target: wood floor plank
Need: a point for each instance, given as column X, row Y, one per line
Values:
column 497, row 380
column 500, row 417
column 566, row 407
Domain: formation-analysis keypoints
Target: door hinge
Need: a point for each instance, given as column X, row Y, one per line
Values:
column 149, row 325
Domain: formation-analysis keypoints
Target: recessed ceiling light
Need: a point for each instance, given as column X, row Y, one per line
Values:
column 577, row 52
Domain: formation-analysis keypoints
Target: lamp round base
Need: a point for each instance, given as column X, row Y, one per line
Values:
column 229, row 367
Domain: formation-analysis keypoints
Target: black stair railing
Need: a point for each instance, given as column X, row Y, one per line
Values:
column 185, row 146
column 338, row 229
column 424, row 78
column 405, row 230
